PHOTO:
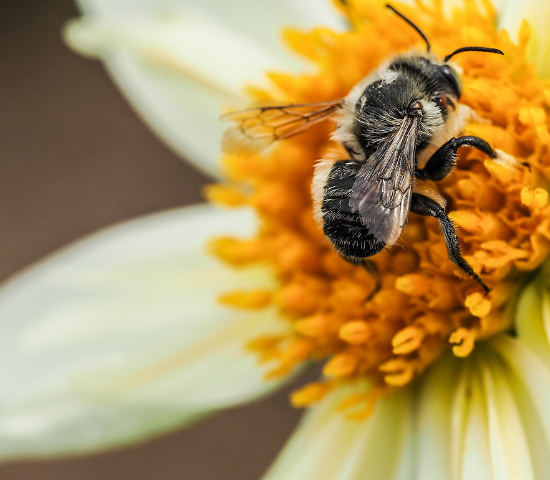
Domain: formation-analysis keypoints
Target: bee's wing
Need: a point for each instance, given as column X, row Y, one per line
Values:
column 258, row 127
column 382, row 189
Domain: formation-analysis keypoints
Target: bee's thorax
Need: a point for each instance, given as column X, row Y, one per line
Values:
column 375, row 109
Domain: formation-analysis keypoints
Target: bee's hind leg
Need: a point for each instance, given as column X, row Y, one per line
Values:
column 372, row 270
column 442, row 161
column 423, row 205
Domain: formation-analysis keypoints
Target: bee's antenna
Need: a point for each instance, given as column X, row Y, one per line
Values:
column 412, row 25
column 473, row 49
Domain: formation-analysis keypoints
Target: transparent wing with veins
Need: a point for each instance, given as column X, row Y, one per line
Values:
column 258, row 127
column 383, row 187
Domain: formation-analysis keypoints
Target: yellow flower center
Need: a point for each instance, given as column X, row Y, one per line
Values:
column 424, row 304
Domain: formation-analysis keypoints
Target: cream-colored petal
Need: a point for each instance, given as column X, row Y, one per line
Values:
column 529, row 379
column 209, row 372
column 494, row 440
column 508, row 441
column 259, row 20
column 327, row 446
column 475, row 460
column 180, row 63
column 532, row 315
column 138, row 298
column 452, row 437
column 178, row 71
column 436, row 410
column 476, row 417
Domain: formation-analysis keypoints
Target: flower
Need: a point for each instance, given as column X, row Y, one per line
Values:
column 476, row 417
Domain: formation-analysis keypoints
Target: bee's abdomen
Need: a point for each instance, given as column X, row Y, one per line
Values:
column 343, row 227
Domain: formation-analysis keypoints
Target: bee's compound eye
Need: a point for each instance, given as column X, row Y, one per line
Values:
column 453, row 78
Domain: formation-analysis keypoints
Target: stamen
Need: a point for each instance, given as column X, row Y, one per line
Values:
column 341, row 365
column 225, row 195
column 236, row 252
column 407, row 340
column 464, row 341
column 314, row 326
column 310, row 394
column 399, row 372
column 355, row 332
column 414, row 284
column 478, row 304
column 247, row 299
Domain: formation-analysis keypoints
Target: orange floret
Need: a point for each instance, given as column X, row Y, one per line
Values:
column 424, row 304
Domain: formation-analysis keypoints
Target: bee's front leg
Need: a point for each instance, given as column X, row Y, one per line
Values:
column 442, row 161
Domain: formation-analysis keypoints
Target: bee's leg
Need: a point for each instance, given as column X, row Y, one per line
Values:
column 442, row 161
column 422, row 205
column 372, row 270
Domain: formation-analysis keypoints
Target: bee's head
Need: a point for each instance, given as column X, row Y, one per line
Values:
column 408, row 85
column 452, row 77
column 414, row 84
column 424, row 78
column 445, row 70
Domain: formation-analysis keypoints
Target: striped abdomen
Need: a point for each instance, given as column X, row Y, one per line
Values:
column 343, row 227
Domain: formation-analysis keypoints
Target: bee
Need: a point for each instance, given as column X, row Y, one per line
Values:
column 399, row 125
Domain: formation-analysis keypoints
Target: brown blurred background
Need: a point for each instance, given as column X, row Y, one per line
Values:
column 74, row 158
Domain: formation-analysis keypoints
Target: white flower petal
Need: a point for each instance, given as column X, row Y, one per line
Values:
column 180, row 62
column 205, row 373
column 508, row 442
column 434, row 420
column 327, row 446
column 529, row 378
column 511, row 14
column 138, row 295
column 259, row 20
column 451, row 423
column 532, row 316
column 476, row 456
column 479, row 418
column 177, row 71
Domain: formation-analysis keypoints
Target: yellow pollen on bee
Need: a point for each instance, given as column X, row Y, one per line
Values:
column 384, row 326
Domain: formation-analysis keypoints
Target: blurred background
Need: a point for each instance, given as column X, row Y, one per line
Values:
column 75, row 158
